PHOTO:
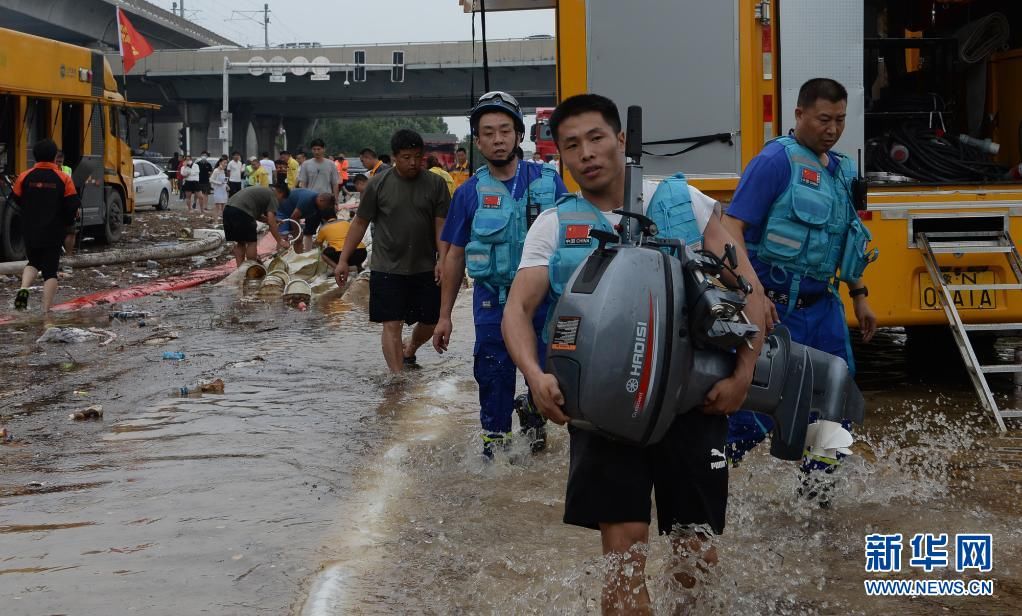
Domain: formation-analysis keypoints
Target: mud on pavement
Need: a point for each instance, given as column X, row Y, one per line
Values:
column 315, row 485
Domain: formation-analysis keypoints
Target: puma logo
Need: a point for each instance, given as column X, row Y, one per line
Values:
column 716, row 465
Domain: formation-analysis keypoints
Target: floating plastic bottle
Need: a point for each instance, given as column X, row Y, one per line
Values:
column 175, row 355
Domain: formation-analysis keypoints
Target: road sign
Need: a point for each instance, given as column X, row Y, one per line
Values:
column 279, row 70
column 320, row 71
column 299, row 66
column 277, row 79
column 256, row 71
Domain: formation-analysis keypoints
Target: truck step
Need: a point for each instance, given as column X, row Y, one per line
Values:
column 984, row 287
column 1001, row 368
column 1010, row 413
column 994, row 327
column 964, row 249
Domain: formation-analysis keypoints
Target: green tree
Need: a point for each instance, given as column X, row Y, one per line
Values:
column 350, row 136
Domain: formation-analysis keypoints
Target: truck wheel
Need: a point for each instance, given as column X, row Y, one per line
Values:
column 163, row 202
column 110, row 232
column 12, row 242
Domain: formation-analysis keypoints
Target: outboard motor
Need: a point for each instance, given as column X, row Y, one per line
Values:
column 647, row 326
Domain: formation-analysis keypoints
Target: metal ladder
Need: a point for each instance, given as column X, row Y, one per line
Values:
column 972, row 242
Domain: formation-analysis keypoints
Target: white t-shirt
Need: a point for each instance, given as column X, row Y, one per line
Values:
column 541, row 242
column 234, row 168
column 269, row 166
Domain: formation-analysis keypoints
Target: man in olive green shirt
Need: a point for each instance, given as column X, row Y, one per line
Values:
column 407, row 208
column 240, row 215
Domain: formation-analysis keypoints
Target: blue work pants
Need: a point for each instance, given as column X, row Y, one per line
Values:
column 495, row 373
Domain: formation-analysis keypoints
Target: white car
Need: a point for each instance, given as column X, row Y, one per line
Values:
column 152, row 186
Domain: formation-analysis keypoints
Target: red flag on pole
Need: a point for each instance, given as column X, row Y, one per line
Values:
column 132, row 44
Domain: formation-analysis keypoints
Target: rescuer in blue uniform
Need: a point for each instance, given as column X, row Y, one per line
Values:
column 486, row 227
column 610, row 482
column 793, row 211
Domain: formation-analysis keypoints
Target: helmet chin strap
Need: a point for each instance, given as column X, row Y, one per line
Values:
column 504, row 162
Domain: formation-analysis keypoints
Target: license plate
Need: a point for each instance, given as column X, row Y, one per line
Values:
column 965, row 299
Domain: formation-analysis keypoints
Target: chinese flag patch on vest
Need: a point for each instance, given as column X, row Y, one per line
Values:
column 491, row 201
column 810, row 177
column 577, row 235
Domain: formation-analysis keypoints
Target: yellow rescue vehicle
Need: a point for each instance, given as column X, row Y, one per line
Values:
column 66, row 93
column 716, row 80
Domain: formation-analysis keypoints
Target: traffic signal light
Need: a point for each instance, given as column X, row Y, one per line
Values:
column 360, row 69
column 182, row 139
column 397, row 71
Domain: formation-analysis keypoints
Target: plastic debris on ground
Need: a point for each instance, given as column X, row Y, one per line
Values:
column 92, row 412
column 76, row 335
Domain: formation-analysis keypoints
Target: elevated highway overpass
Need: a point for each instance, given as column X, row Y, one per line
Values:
column 437, row 80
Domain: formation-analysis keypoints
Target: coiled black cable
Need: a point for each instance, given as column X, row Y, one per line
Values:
column 932, row 158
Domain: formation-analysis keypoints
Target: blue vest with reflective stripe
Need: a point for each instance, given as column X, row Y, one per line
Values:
column 670, row 208
column 500, row 225
column 807, row 225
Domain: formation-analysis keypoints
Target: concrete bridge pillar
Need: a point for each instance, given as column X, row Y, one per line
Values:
column 197, row 120
column 241, row 118
column 266, row 134
column 299, row 133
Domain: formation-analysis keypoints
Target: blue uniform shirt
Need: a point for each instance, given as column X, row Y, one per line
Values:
column 765, row 179
column 303, row 199
column 486, row 308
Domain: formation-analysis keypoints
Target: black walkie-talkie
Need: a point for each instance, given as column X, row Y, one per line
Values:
column 860, row 186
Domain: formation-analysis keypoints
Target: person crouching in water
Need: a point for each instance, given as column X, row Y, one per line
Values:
column 331, row 235
column 244, row 209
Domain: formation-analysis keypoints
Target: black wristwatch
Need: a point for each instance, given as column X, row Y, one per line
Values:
column 863, row 291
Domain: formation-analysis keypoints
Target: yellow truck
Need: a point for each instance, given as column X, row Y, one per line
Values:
column 66, row 93
column 723, row 76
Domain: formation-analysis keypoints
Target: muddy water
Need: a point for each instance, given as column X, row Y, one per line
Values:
column 314, row 486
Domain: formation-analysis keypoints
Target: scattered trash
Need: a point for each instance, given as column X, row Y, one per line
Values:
column 213, row 387
column 81, row 392
column 152, row 264
column 159, row 337
column 138, row 275
column 74, row 335
column 302, row 306
column 5, row 435
column 141, row 323
column 124, row 315
column 92, row 412
column 36, row 484
column 174, row 355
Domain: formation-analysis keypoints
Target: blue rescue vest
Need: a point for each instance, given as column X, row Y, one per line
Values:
column 812, row 230
column 500, row 224
column 670, row 208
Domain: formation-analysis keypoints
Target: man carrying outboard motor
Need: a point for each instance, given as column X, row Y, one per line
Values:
column 794, row 210
column 609, row 482
column 486, row 226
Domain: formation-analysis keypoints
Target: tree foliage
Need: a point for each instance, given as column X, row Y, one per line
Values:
column 350, row 136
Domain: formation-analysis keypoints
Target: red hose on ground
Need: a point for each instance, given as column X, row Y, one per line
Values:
column 266, row 246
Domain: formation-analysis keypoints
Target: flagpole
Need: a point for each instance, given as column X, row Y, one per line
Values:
column 120, row 49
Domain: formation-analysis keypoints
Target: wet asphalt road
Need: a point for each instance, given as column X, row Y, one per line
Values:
column 315, row 485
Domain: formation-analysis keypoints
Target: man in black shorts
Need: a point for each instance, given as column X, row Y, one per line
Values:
column 407, row 208
column 240, row 215
column 609, row 482
column 49, row 203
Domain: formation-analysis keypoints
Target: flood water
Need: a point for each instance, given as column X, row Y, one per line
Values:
column 315, row 485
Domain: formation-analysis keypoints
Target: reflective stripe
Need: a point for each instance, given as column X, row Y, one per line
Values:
column 787, row 241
